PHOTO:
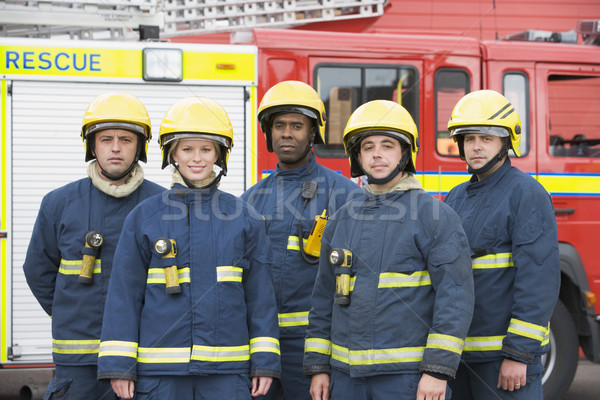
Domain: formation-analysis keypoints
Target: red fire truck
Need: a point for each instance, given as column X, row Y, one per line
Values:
column 555, row 88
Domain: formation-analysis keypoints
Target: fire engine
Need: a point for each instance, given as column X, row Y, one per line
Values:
column 554, row 87
column 551, row 77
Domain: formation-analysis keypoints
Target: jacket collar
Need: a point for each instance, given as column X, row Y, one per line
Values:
column 475, row 185
column 189, row 196
column 307, row 169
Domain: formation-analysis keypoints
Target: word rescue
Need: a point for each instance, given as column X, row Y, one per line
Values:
column 70, row 61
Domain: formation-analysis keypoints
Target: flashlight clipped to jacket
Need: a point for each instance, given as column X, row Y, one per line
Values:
column 342, row 259
column 167, row 249
column 93, row 242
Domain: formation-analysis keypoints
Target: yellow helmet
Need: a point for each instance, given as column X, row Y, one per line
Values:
column 116, row 110
column 380, row 117
column 197, row 117
column 291, row 97
column 485, row 111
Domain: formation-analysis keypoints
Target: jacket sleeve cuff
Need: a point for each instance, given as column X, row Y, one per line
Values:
column 265, row 372
column 311, row 370
column 117, row 375
column 438, row 371
column 517, row 355
column 441, row 377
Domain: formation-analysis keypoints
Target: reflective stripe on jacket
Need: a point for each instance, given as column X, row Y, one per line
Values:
column 224, row 321
column 54, row 259
column 509, row 220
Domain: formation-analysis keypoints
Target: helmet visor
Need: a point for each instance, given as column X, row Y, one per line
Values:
column 101, row 126
column 270, row 114
column 481, row 129
column 357, row 138
column 170, row 138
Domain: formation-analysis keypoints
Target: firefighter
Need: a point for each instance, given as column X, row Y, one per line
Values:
column 509, row 220
column 206, row 329
column 292, row 117
column 400, row 331
column 70, row 255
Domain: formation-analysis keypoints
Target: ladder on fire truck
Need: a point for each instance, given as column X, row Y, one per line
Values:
column 114, row 19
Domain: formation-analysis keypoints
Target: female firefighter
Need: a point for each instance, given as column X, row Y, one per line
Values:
column 190, row 311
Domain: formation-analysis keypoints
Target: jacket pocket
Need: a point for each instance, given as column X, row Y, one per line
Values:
column 58, row 389
column 146, row 388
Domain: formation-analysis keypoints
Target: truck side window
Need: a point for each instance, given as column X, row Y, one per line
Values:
column 573, row 117
column 344, row 88
column 450, row 86
column 516, row 89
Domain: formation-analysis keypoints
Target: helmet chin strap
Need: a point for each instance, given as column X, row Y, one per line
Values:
column 496, row 159
column 192, row 186
column 399, row 168
column 308, row 147
column 121, row 176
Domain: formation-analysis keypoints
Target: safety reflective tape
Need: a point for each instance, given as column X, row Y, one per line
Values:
column 102, row 62
column 293, row 319
column 500, row 260
column 316, row 345
column 527, row 329
column 546, row 337
column 397, row 279
column 157, row 275
column 294, row 243
column 221, row 353
column 445, row 342
column 557, row 184
column 158, row 355
column 352, row 282
column 73, row 267
column 483, row 343
column 75, row 346
column 229, row 274
column 377, row 356
column 264, row 344
column 118, row 348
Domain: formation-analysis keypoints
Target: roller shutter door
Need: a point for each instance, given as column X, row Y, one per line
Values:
column 47, row 152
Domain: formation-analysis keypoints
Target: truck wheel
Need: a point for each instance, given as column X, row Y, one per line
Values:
column 560, row 363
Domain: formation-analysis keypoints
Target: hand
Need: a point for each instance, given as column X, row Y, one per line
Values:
column 319, row 387
column 431, row 388
column 260, row 385
column 123, row 388
column 513, row 375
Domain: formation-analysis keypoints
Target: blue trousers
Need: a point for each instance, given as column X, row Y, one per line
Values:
column 379, row 387
column 193, row 387
column 479, row 381
column 74, row 383
column 294, row 385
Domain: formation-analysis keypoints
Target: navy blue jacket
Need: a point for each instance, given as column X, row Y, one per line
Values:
column 412, row 289
column 278, row 198
column 509, row 220
column 224, row 321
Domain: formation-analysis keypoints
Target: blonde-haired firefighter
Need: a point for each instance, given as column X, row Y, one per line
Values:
column 190, row 311
column 509, row 220
column 70, row 256
column 393, row 297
